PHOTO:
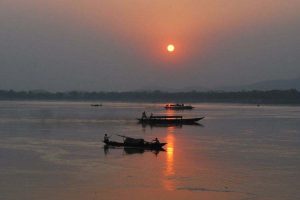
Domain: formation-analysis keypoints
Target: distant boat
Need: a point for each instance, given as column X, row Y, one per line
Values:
column 96, row 105
column 168, row 120
column 135, row 143
column 178, row 107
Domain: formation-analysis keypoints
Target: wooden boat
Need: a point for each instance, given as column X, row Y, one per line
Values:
column 135, row 143
column 168, row 120
column 178, row 107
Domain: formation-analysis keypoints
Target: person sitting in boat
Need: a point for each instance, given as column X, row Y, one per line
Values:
column 106, row 138
column 144, row 116
column 156, row 141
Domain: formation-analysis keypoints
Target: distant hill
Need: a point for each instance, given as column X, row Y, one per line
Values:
column 268, row 85
column 284, row 84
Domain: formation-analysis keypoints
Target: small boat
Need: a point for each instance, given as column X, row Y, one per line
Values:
column 132, row 150
column 135, row 143
column 168, row 120
column 96, row 105
column 178, row 107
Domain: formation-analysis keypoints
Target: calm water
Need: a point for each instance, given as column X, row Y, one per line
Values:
column 53, row 150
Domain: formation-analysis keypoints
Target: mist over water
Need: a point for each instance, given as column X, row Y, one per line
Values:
column 53, row 150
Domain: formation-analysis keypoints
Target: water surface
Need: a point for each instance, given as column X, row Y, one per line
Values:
column 53, row 150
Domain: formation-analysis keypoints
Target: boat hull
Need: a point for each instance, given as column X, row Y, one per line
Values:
column 169, row 121
column 146, row 145
column 179, row 107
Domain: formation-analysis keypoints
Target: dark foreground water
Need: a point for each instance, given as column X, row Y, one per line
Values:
column 53, row 150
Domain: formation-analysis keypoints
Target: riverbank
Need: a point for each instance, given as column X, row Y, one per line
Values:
column 290, row 97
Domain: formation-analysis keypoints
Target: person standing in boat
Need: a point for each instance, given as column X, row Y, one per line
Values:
column 106, row 138
column 144, row 116
column 156, row 141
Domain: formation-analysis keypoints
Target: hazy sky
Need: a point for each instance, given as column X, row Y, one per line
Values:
column 61, row 45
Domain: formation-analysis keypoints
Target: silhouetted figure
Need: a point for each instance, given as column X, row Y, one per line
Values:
column 156, row 141
column 106, row 138
column 144, row 116
column 151, row 115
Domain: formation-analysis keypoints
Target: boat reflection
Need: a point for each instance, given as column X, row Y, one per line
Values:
column 144, row 125
column 130, row 150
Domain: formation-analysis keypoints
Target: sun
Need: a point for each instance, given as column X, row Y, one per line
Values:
column 170, row 48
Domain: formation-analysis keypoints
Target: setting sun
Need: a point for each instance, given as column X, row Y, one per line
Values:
column 170, row 48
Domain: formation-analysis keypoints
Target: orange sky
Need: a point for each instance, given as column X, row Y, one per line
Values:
column 135, row 33
column 155, row 23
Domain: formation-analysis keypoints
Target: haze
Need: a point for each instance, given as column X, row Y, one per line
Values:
column 61, row 45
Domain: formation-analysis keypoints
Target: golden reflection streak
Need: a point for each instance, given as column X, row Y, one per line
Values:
column 169, row 171
column 170, row 112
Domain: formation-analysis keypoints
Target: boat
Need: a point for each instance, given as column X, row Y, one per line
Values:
column 174, row 119
column 178, row 107
column 132, row 150
column 96, row 105
column 129, row 142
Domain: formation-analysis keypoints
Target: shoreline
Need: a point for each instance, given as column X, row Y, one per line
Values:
column 139, row 101
column 272, row 97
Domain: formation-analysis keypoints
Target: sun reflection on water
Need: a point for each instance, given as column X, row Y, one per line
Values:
column 170, row 112
column 169, row 170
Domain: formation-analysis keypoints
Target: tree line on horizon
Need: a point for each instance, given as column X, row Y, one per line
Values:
column 291, row 96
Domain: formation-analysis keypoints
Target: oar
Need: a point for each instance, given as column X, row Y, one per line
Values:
column 122, row 136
